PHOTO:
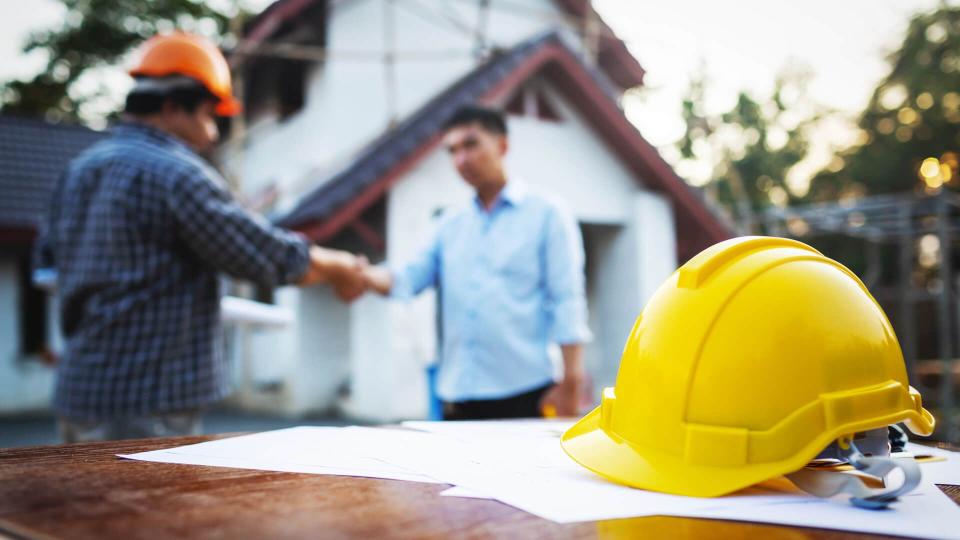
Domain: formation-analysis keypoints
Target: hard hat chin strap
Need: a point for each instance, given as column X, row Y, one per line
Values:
column 825, row 483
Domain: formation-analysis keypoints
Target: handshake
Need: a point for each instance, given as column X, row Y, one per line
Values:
column 350, row 275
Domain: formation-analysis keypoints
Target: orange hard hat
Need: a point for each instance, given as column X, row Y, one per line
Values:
column 193, row 56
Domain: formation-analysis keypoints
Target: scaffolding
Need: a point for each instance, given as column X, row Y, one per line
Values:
column 900, row 223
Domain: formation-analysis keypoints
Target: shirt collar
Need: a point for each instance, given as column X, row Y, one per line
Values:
column 512, row 193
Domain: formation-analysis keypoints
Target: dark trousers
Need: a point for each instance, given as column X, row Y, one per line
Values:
column 525, row 405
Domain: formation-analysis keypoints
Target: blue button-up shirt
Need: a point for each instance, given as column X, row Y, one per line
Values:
column 138, row 231
column 511, row 281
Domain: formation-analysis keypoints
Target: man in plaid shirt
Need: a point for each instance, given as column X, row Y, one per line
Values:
column 139, row 229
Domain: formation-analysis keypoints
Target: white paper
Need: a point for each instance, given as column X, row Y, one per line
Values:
column 522, row 464
column 480, row 429
column 466, row 493
column 539, row 478
column 308, row 449
column 938, row 472
column 529, row 472
column 925, row 512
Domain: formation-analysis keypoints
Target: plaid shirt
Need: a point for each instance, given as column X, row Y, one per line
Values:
column 138, row 229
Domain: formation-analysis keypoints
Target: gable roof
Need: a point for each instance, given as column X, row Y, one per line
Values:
column 612, row 54
column 340, row 198
column 33, row 154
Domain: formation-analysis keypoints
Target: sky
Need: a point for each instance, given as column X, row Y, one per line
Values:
column 740, row 46
column 743, row 45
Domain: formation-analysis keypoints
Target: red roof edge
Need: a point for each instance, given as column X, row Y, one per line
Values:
column 619, row 64
column 614, row 57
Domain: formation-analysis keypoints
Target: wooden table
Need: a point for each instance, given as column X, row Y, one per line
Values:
column 83, row 491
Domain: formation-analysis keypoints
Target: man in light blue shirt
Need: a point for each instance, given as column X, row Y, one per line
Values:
column 509, row 266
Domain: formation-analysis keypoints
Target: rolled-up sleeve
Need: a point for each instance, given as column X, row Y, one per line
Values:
column 565, row 286
column 231, row 239
column 412, row 277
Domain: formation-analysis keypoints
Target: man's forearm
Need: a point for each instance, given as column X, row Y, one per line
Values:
column 323, row 263
column 573, row 362
column 564, row 398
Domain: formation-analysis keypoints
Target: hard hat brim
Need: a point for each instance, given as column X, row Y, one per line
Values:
column 230, row 106
column 589, row 445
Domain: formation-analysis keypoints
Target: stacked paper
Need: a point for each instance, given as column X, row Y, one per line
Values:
column 521, row 463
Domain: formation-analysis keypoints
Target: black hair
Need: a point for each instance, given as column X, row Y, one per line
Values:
column 187, row 97
column 491, row 120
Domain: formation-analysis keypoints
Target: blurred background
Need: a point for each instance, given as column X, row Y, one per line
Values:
column 666, row 126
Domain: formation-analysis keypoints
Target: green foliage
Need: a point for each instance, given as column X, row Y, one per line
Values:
column 752, row 146
column 914, row 114
column 98, row 33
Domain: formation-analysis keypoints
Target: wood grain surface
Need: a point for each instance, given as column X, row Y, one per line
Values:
column 83, row 491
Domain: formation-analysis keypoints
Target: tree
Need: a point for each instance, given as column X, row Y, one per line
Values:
column 913, row 115
column 751, row 147
column 98, row 33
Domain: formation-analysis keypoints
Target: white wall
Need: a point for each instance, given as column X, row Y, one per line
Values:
column 347, row 99
column 392, row 344
column 269, row 359
column 656, row 241
column 25, row 384
column 611, row 279
column 569, row 159
column 628, row 264
column 296, row 369
column 324, row 348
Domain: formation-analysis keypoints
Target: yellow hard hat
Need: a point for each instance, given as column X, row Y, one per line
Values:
column 747, row 362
